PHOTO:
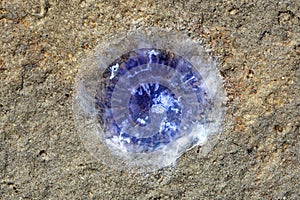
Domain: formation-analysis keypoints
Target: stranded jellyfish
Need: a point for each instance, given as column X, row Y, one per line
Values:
column 145, row 98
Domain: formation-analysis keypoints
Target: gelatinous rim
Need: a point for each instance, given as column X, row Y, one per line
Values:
column 88, row 80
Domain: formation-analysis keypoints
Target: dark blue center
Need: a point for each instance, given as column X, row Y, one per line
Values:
column 153, row 97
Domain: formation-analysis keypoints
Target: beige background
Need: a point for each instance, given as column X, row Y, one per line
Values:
column 43, row 43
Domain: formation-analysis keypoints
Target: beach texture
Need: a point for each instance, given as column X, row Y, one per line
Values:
column 257, row 47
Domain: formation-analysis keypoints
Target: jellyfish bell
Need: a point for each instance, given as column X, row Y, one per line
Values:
column 145, row 98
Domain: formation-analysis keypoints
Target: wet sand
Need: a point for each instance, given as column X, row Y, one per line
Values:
column 257, row 46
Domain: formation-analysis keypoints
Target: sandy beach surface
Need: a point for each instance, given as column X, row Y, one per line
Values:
column 257, row 45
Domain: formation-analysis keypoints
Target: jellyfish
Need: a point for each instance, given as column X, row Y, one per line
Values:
column 145, row 98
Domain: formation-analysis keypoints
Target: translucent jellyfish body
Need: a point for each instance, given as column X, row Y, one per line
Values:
column 145, row 98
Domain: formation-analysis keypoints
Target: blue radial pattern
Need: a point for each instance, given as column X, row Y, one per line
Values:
column 149, row 98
